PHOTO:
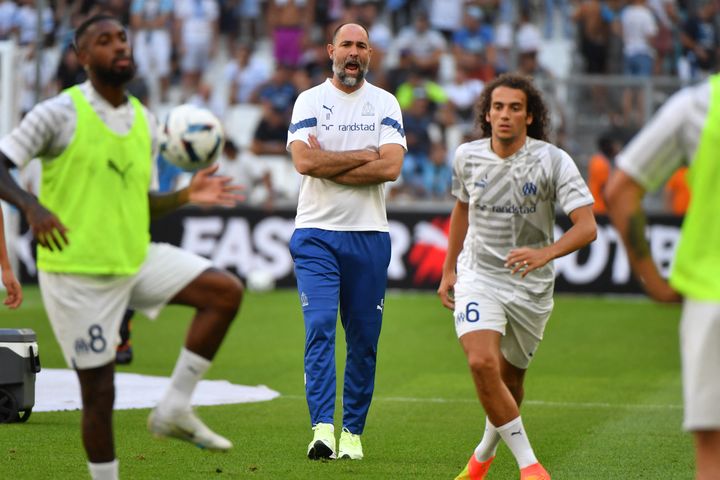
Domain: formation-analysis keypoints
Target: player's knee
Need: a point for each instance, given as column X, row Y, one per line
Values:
column 483, row 364
column 229, row 293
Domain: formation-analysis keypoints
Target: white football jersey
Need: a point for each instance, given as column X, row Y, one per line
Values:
column 670, row 138
column 365, row 119
column 512, row 204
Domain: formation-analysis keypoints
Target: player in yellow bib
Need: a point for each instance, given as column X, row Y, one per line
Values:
column 685, row 131
column 95, row 257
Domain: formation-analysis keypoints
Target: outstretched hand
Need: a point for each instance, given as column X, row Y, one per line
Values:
column 47, row 229
column 208, row 189
column 14, row 290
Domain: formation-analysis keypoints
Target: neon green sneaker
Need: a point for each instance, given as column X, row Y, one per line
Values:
column 475, row 469
column 323, row 442
column 350, row 445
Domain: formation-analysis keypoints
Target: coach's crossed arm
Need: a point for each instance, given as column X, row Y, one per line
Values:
column 385, row 169
column 312, row 160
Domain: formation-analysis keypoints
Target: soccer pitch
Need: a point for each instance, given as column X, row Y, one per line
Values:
column 603, row 398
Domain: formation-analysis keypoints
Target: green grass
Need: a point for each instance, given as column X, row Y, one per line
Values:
column 603, row 398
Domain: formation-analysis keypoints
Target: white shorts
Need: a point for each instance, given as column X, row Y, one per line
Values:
column 196, row 57
column 700, row 352
column 482, row 305
column 85, row 311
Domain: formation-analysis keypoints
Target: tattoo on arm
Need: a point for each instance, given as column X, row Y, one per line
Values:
column 636, row 235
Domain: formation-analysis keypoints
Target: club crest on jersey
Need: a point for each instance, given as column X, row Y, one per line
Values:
column 482, row 183
column 304, row 300
column 368, row 110
column 529, row 189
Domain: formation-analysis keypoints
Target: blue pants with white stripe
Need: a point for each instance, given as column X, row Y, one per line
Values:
column 349, row 270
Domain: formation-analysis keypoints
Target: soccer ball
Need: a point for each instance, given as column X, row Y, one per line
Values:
column 192, row 138
column 260, row 281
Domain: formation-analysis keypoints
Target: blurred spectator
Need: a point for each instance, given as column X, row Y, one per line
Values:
column 278, row 92
column 244, row 73
column 380, row 35
column 269, row 146
column 437, row 177
column 446, row 16
column 424, row 45
column 667, row 17
column 599, row 168
column 699, row 39
column 563, row 6
column 677, row 192
column 205, row 97
column 8, row 11
column 418, row 86
column 244, row 173
column 463, row 92
column 473, row 48
column 594, row 36
column 638, row 30
column 151, row 21
column 197, row 22
column 69, row 71
column 28, row 94
column 288, row 21
column 26, row 23
column 229, row 20
column 250, row 16
column 417, row 121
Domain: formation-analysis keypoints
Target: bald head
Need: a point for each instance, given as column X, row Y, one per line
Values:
column 347, row 28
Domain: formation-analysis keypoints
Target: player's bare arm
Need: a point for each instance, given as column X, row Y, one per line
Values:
column 624, row 200
column 47, row 229
column 205, row 189
column 14, row 297
column 385, row 169
column 583, row 231
column 456, row 237
column 312, row 160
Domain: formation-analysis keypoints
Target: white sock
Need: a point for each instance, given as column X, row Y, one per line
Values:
column 488, row 445
column 189, row 370
column 514, row 435
column 104, row 471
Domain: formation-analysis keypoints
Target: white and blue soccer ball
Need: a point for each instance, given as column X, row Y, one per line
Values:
column 192, row 137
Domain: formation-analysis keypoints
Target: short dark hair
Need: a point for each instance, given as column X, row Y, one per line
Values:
column 535, row 105
column 80, row 31
column 335, row 32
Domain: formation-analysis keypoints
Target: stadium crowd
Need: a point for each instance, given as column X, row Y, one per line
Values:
column 255, row 56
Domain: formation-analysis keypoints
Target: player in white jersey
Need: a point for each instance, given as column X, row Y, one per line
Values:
column 498, row 275
column 685, row 131
column 95, row 257
column 347, row 139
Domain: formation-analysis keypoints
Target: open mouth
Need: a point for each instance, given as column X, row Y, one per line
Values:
column 352, row 66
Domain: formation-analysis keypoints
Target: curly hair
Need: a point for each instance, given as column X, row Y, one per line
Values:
column 535, row 106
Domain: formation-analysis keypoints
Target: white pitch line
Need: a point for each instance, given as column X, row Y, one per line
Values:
column 538, row 403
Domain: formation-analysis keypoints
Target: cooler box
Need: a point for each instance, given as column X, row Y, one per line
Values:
column 19, row 362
